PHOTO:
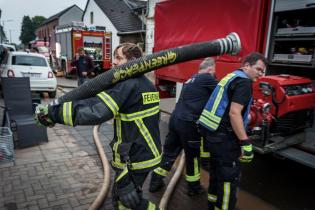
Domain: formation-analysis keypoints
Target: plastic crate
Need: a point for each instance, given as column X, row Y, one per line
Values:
column 6, row 145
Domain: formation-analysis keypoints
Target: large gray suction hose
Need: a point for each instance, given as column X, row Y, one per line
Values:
column 231, row 44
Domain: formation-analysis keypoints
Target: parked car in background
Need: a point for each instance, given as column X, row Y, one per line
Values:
column 9, row 47
column 32, row 65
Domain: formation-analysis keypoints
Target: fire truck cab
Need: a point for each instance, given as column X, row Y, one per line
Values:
column 97, row 44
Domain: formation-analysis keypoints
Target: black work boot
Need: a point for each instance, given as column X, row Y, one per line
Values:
column 195, row 189
column 156, row 182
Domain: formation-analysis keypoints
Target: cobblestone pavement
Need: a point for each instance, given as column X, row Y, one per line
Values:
column 64, row 173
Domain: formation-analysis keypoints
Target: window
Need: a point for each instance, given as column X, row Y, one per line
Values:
column 91, row 17
column 28, row 60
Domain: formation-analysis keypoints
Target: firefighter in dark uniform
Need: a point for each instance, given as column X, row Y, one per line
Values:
column 134, row 104
column 223, row 122
column 183, row 132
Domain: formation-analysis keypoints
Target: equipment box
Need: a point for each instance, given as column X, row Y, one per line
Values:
column 292, row 58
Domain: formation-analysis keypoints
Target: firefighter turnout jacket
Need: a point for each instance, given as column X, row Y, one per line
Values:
column 134, row 105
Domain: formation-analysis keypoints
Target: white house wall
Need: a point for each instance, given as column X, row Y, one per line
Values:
column 100, row 19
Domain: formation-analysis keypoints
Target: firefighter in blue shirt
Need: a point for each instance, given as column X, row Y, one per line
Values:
column 134, row 104
column 223, row 123
column 183, row 132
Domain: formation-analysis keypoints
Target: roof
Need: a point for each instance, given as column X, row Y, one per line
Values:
column 121, row 14
column 59, row 14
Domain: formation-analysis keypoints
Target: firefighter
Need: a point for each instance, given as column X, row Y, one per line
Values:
column 183, row 132
column 223, row 123
column 134, row 104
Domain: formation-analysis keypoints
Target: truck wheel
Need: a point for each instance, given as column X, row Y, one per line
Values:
column 52, row 94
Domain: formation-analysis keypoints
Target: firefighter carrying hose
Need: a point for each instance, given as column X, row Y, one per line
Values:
column 183, row 132
column 223, row 122
column 134, row 104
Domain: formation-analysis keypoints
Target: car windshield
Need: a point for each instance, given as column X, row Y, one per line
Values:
column 25, row 60
column 43, row 49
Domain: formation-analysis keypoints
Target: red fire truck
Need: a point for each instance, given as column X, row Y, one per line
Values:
column 282, row 115
column 96, row 42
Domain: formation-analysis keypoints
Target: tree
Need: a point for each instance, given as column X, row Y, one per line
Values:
column 37, row 21
column 28, row 28
column 27, row 31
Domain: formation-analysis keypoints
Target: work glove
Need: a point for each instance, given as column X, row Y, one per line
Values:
column 247, row 153
column 41, row 116
column 129, row 196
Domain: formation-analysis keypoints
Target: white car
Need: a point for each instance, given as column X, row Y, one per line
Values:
column 32, row 65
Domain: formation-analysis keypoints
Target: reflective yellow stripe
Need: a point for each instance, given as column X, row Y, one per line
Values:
column 226, row 195
column 109, row 101
column 122, row 174
column 139, row 165
column 161, row 171
column 122, row 207
column 211, row 116
column 203, row 154
column 209, row 123
column 67, row 113
column 216, row 208
column 219, row 95
column 139, row 115
column 193, row 178
column 226, row 79
column 147, row 136
column 212, row 198
column 196, row 175
column 217, row 100
column 118, row 142
column 151, row 206
column 196, row 166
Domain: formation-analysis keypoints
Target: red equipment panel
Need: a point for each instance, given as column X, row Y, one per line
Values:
column 289, row 93
column 180, row 22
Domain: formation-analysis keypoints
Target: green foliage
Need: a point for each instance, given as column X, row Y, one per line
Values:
column 28, row 28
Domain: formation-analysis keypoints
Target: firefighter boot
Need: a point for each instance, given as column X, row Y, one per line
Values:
column 156, row 182
column 194, row 188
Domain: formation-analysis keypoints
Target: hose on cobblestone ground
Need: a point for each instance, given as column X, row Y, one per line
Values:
column 106, row 169
column 231, row 44
column 171, row 186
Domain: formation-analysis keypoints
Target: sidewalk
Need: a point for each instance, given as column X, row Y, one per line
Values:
column 64, row 173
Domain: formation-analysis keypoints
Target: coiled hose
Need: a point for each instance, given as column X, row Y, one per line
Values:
column 231, row 44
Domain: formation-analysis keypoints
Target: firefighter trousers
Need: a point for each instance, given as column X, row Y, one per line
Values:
column 224, row 175
column 182, row 135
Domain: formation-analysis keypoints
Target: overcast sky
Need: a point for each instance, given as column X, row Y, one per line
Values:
column 14, row 10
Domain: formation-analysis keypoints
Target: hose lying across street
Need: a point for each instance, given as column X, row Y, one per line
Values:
column 231, row 44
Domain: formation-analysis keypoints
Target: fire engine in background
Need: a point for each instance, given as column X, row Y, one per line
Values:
column 96, row 42
column 282, row 114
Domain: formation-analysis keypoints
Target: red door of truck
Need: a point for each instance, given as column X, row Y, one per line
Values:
column 180, row 22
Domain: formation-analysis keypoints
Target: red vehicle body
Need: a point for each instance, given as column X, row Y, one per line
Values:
column 96, row 43
column 284, row 104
